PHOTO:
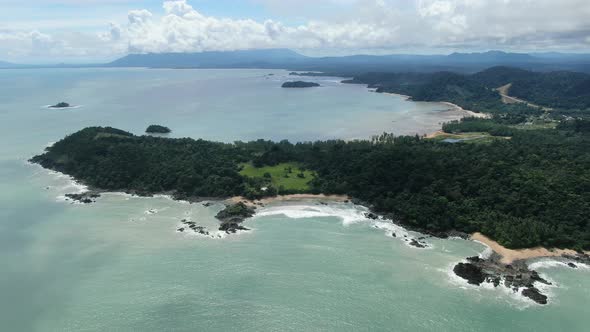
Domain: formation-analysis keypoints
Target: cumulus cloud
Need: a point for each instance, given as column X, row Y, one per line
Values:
column 384, row 24
column 393, row 25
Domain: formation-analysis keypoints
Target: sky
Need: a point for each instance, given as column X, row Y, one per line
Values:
column 52, row 31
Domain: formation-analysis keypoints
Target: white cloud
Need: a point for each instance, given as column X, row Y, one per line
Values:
column 394, row 25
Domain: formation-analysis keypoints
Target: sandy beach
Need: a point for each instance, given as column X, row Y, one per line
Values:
column 467, row 112
column 511, row 255
column 404, row 97
column 436, row 134
column 286, row 198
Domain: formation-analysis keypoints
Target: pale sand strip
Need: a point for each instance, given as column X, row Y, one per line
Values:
column 510, row 255
column 286, row 198
column 452, row 106
column 436, row 134
column 469, row 113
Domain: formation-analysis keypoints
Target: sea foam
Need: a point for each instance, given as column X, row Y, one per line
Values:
column 548, row 263
column 347, row 213
column 512, row 297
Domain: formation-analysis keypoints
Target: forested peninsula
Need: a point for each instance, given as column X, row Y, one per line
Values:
column 532, row 189
column 521, row 176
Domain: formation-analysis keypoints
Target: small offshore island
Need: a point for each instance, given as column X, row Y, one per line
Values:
column 61, row 105
column 300, row 84
column 520, row 176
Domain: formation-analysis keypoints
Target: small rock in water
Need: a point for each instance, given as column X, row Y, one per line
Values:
column 86, row 198
column 393, row 234
column 516, row 276
column 572, row 265
column 371, row 215
column 417, row 244
column 470, row 272
column 232, row 227
column 534, row 294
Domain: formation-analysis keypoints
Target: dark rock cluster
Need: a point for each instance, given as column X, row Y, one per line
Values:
column 418, row 244
column 232, row 217
column 193, row 226
column 515, row 276
column 60, row 105
column 86, row 198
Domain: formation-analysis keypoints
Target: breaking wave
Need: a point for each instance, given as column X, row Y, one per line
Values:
column 349, row 214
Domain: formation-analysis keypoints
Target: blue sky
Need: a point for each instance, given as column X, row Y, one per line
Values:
column 47, row 14
column 98, row 30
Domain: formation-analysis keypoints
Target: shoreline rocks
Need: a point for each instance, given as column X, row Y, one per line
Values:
column 514, row 276
column 418, row 244
column 580, row 258
column 232, row 217
column 85, row 198
column 194, row 227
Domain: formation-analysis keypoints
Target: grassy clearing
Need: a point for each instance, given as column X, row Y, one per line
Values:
column 280, row 175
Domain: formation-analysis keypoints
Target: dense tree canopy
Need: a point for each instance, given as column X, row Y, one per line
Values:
column 533, row 189
column 563, row 90
column 528, row 187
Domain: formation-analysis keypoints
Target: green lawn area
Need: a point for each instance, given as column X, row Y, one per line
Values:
column 280, row 177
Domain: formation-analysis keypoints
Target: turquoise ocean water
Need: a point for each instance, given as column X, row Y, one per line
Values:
column 120, row 265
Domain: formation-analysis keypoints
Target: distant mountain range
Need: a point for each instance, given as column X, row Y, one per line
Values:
column 233, row 59
column 288, row 59
column 556, row 89
column 7, row 65
column 291, row 60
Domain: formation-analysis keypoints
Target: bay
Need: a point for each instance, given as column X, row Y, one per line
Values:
column 119, row 264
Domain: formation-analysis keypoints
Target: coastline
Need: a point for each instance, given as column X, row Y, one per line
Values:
column 287, row 198
column 404, row 97
column 510, row 256
column 452, row 108
column 468, row 113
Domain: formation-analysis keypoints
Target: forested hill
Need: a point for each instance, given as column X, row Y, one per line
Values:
column 561, row 90
column 532, row 189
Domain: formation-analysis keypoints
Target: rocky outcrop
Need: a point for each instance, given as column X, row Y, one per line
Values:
column 418, row 244
column 232, row 227
column 514, row 276
column 535, row 295
column 579, row 258
column 194, row 227
column 86, row 198
column 60, row 105
column 470, row 272
column 371, row 215
column 232, row 217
